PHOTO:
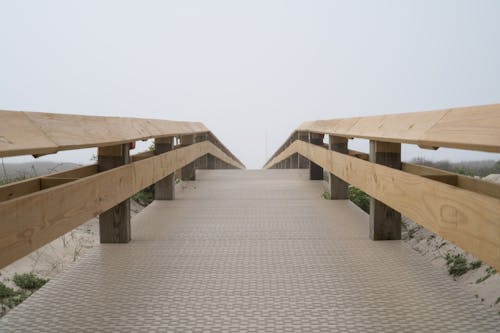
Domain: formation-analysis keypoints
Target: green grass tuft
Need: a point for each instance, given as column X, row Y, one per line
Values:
column 457, row 264
column 28, row 281
column 475, row 264
column 6, row 291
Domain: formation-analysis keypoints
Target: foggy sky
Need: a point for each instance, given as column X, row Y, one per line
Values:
column 251, row 71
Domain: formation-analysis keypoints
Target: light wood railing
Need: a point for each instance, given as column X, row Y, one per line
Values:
column 36, row 211
column 461, row 209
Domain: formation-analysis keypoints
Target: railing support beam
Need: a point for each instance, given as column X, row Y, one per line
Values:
column 338, row 187
column 315, row 171
column 385, row 222
column 165, row 188
column 114, row 224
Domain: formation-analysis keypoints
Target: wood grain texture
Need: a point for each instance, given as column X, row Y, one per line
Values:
column 37, row 133
column 48, row 182
column 24, row 187
column 385, row 221
column 20, row 188
column 474, row 128
column 465, row 218
column 114, row 223
column 30, row 221
column 462, row 181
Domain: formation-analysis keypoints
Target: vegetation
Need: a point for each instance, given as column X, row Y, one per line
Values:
column 146, row 196
column 469, row 168
column 29, row 281
column 457, row 264
column 6, row 291
column 490, row 271
column 412, row 231
column 476, row 264
column 360, row 198
column 5, row 181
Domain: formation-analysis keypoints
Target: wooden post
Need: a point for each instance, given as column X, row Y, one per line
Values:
column 188, row 171
column 303, row 162
column 165, row 188
column 114, row 224
column 338, row 187
column 201, row 163
column 315, row 171
column 385, row 222
column 210, row 162
column 294, row 161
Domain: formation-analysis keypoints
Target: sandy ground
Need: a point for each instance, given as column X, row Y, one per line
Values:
column 435, row 248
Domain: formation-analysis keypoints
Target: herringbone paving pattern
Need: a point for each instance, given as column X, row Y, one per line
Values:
column 252, row 251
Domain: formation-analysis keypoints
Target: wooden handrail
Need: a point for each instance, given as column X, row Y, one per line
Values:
column 38, row 133
column 461, row 209
column 471, row 128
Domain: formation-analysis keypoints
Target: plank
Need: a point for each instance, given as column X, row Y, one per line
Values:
column 465, row 218
column 474, row 128
column 447, row 179
column 20, row 188
column 48, row 182
column 20, row 136
column 462, row 181
column 38, row 133
column 24, row 187
column 31, row 221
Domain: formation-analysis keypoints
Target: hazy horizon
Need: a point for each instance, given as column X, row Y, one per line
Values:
column 250, row 71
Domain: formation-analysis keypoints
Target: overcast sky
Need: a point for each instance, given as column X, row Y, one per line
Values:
column 249, row 69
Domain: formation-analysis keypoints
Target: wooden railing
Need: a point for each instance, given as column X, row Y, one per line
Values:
column 461, row 209
column 36, row 211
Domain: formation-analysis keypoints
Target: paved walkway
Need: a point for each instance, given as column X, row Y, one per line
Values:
column 254, row 251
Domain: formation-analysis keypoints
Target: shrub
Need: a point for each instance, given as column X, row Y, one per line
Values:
column 475, row 264
column 359, row 198
column 6, row 291
column 457, row 264
column 17, row 298
column 28, row 281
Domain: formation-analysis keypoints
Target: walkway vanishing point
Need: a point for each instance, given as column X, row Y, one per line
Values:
column 248, row 250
